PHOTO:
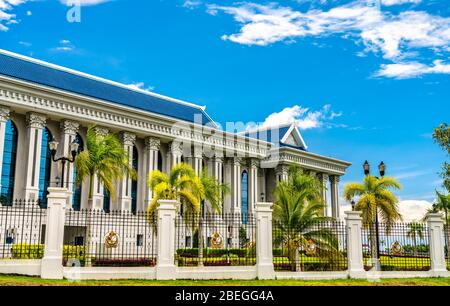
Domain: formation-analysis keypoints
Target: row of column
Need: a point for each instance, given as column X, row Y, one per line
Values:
column 282, row 174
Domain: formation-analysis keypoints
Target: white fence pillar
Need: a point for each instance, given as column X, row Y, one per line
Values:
column 54, row 234
column 437, row 245
column 354, row 244
column 264, row 252
column 165, row 264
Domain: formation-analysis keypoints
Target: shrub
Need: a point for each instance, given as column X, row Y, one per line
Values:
column 141, row 262
column 27, row 251
column 207, row 252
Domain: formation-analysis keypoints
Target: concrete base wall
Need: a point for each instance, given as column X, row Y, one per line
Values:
column 30, row 267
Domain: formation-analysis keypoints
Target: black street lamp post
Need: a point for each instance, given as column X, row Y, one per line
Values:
column 382, row 170
column 53, row 146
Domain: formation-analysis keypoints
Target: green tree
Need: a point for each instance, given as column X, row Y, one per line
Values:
column 105, row 158
column 415, row 230
column 297, row 211
column 443, row 204
column 184, row 185
column 441, row 136
column 375, row 197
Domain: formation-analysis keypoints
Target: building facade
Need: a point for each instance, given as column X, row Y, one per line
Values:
column 40, row 102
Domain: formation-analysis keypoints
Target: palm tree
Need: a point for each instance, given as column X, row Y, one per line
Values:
column 297, row 210
column 105, row 158
column 184, row 185
column 416, row 230
column 375, row 198
column 180, row 184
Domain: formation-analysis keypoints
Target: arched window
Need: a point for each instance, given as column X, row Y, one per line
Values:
column 134, row 185
column 45, row 167
column 76, row 200
column 9, row 163
column 244, row 194
column 160, row 161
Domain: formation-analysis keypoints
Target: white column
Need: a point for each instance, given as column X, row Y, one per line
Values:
column 51, row 267
column 218, row 169
column 282, row 173
column 4, row 117
column 165, row 264
column 323, row 179
column 175, row 153
column 128, row 140
column 97, row 192
column 35, row 126
column 435, row 224
column 236, row 187
column 264, row 253
column 197, row 160
column 152, row 146
column 253, row 184
column 69, row 131
column 354, row 244
column 335, row 196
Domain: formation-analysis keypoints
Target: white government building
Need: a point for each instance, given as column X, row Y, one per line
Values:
column 41, row 101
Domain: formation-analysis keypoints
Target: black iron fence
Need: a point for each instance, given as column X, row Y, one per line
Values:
column 22, row 230
column 318, row 246
column 396, row 246
column 117, row 238
column 215, row 240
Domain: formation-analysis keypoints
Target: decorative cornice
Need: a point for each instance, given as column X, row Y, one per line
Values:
column 128, row 139
column 152, row 143
column 4, row 113
column 35, row 120
column 69, row 127
column 95, row 111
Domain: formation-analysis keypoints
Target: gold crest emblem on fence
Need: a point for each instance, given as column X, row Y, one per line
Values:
column 396, row 248
column 112, row 240
column 310, row 248
column 216, row 241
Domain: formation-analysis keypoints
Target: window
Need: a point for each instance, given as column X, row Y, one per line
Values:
column 160, row 167
column 139, row 240
column 188, row 241
column 45, row 167
column 134, row 184
column 76, row 200
column 106, row 201
column 244, row 199
column 10, row 236
column 9, row 164
column 79, row 240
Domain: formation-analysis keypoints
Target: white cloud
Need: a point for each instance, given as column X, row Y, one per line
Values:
column 304, row 117
column 191, row 4
column 396, row 37
column 141, row 86
column 6, row 17
column 29, row 13
column 83, row 2
column 25, row 44
column 398, row 2
column 65, row 45
column 413, row 69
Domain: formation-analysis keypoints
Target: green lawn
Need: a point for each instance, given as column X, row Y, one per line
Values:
column 11, row 280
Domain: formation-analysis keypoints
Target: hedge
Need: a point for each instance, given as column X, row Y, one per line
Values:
column 193, row 252
column 36, row 251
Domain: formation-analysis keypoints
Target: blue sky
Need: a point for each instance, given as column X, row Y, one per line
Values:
column 364, row 79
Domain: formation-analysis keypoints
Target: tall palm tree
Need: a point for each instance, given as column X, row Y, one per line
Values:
column 416, row 230
column 105, row 158
column 375, row 198
column 297, row 210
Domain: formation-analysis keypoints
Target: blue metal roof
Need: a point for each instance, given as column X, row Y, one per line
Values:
column 22, row 69
column 269, row 136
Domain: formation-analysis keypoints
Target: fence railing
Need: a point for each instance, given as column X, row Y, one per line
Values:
column 401, row 246
column 215, row 240
column 22, row 230
column 319, row 246
column 117, row 238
